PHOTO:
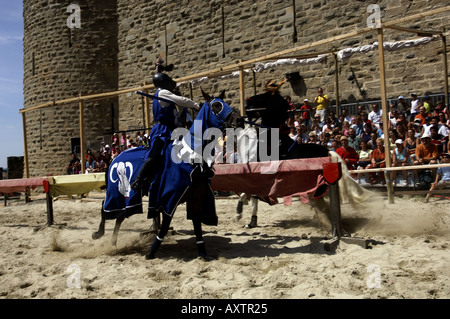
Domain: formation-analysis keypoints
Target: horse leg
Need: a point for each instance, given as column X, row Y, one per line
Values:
column 156, row 225
column 199, row 239
column 254, row 220
column 154, row 228
column 240, row 206
column 159, row 238
column 101, row 228
column 119, row 221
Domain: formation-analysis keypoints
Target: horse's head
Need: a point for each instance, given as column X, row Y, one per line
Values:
column 221, row 114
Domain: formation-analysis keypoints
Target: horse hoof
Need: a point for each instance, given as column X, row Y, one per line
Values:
column 253, row 222
column 97, row 235
column 205, row 258
column 238, row 217
column 150, row 256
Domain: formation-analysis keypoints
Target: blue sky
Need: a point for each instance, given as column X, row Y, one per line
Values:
column 11, row 79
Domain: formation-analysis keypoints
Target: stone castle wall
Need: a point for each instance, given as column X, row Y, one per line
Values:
column 60, row 63
column 126, row 37
column 199, row 36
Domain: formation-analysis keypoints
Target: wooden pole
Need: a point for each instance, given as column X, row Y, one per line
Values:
column 146, row 110
column 49, row 201
column 444, row 47
column 25, row 146
column 385, row 116
column 81, row 116
column 254, row 82
column 336, row 77
column 242, row 90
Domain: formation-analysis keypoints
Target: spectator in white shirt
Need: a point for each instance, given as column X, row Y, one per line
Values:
column 376, row 115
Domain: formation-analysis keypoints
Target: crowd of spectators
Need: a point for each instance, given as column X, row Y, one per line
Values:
column 96, row 162
column 418, row 133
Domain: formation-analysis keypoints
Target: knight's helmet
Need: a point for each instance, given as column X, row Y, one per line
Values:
column 162, row 80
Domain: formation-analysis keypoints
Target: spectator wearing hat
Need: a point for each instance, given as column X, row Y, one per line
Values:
column 415, row 106
column 417, row 127
column 347, row 153
column 422, row 116
column 305, row 110
column 426, row 152
column 442, row 176
column 400, row 158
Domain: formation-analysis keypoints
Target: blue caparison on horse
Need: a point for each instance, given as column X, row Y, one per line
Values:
column 178, row 179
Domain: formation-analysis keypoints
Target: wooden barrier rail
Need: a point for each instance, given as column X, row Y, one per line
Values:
column 389, row 186
column 84, row 183
column 55, row 186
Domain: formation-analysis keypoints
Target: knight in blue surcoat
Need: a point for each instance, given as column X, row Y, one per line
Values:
column 165, row 114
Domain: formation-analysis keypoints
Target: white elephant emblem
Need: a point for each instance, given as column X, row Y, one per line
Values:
column 124, row 185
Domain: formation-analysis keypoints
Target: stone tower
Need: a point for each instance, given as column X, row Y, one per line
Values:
column 62, row 60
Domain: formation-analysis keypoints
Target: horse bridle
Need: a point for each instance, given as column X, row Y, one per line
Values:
column 229, row 120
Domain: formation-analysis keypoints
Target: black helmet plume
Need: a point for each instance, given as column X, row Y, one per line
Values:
column 162, row 80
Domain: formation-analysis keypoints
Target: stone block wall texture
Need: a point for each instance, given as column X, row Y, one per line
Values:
column 60, row 63
column 119, row 41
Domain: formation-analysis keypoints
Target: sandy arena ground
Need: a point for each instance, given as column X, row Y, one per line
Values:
column 272, row 261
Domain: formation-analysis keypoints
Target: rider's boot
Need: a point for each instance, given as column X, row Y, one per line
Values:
column 143, row 174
